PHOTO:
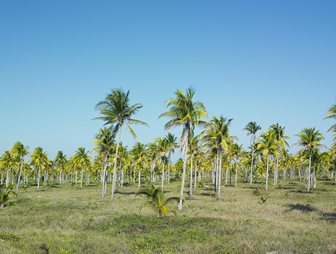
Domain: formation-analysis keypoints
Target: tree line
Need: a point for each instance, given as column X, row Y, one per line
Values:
column 210, row 156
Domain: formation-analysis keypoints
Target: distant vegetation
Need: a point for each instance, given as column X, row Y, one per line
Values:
column 212, row 155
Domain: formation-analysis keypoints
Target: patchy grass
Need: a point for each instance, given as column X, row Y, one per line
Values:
column 66, row 219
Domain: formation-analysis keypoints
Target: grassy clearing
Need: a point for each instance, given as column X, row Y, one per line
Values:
column 65, row 219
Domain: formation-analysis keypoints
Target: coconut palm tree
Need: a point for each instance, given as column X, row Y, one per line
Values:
column 104, row 147
column 268, row 146
column 7, row 162
column 138, row 155
column 217, row 138
column 252, row 128
column 19, row 151
column 184, row 111
column 83, row 161
column 310, row 140
column 60, row 162
column 171, row 143
column 117, row 112
column 39, row 159
column 332, row 115
column 282, row 145
column 158, row 201
column 5, row 195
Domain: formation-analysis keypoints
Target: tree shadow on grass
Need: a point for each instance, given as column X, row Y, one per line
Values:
column 301, row 208
column 331, row 217
column 125, row 192
column 207, row 194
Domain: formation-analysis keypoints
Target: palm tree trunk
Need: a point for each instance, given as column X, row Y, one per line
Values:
column 104, row 176
column 267, row 173
column 252, row 157
column 38, row 177
column 7, row 177
column 220, row 174
column 169, row 165
column 115, row 166
column 82, row 176
column 236, row 176
column 191, row 176
column 122, row 177
column 162, row 177
column 185, row 158
column 308, row 174
column 195, row 177
column 314, row 179
column 139, row 179
column 276, row 171
column 19, row 177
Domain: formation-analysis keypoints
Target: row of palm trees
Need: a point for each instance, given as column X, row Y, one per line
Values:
column 204, row 155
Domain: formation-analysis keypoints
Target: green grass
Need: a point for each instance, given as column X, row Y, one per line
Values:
column 66, row 219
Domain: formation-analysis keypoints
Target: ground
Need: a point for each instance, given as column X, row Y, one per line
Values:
column 67, row 219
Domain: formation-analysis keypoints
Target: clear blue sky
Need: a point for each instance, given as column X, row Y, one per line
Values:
column 266, row 61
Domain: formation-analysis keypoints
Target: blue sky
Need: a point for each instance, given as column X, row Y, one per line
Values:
column 266, row 61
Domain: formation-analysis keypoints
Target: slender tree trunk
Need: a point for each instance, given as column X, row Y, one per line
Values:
column 308, row 174
column 314, row 179
column 226, row 175
column 191, row 176
column 300, row 174
column 195, row 177
column 38, row 177
column 252, row 158
column 139, row 179
column 162, row 177
column 220, row 174
column 276, row 171
column 7, row 177
column 169, row 166
column 236, row 176
column 267, row 173
column 104, row 176
column 185, row 159
column 60, row 177
column 19, row 177
column 115, row 167
column 122, row 177
column 82, row 176
column 284, row 174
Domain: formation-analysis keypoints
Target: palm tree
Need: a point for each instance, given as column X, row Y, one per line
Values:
column 104, row 148
column 5, row 195
column 309, row 139
column 282, row 144
column 83, row 161
column 236, row 152
column 171, row 142
column 39, row 159
column 268, row 147
column 60, row 162
column 117, row 111
column 19, row 151
column 138, row 154
column 217, row 137
column 252, row 128
column 183, row 111
column 332, row 114
column 7, row 162
column 158, row 201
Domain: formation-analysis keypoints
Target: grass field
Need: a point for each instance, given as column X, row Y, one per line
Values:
column 66, row 219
